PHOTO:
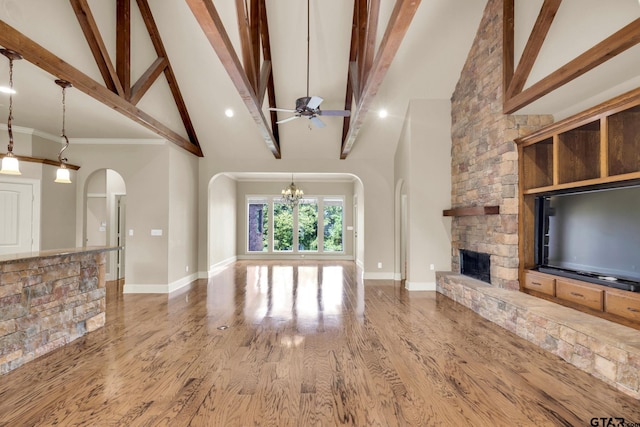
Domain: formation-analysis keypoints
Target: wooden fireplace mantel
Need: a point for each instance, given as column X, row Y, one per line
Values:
column 472, row 210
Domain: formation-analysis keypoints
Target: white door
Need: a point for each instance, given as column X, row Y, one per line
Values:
column 16, row 218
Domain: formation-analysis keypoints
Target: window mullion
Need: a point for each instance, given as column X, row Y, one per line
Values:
column 320, row 224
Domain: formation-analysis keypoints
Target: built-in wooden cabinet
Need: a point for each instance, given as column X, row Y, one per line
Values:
column 575, row 291
column 600, row 146
column 609, row 302
column 624, row 304
column 538, row 282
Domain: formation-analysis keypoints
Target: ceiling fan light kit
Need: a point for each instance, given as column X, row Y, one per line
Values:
column 309, row 106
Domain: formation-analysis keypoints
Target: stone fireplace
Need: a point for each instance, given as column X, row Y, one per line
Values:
column 476, row 265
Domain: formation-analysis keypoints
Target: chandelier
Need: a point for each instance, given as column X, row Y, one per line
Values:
column 292, row 194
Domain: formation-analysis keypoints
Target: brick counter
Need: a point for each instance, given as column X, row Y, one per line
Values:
column 48, row 299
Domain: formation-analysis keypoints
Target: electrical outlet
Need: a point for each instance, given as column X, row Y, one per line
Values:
column 432, row 267
column 186, row 269
column 379, row 265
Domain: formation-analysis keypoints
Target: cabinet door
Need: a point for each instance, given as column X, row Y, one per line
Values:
column 625, row 304
column 580, row 293
column 540, row 283
column 16, row 218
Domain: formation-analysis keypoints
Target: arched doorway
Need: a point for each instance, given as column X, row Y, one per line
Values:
column 105, row 218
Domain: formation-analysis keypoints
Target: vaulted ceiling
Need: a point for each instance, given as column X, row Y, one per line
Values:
column 149, row 69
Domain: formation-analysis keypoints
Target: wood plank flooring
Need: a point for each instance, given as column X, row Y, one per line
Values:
column 305, row 345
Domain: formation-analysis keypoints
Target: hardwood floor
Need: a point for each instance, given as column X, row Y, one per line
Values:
column 298, row 354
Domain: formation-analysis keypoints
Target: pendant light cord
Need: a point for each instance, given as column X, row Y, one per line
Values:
column 63, row 84
column 308, row 38
column 10, row 146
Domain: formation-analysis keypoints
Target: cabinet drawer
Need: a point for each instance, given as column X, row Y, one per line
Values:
column 540, row 283
column 623, row 305
column 580, row 293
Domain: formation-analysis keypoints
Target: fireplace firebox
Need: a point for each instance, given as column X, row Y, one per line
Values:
column 476, row 265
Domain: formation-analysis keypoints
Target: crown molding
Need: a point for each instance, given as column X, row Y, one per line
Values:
column 117, row 141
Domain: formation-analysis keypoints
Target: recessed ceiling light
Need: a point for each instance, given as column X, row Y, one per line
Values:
column 228, row 112
column 383, row 113
column 5, row 89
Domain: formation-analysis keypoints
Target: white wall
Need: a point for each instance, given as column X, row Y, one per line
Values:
column 222, row 222
column 423, row 158
column 183, row 218
column 145, row 170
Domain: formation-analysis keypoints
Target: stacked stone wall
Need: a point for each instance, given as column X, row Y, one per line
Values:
column 48, row 302
column 484, row 155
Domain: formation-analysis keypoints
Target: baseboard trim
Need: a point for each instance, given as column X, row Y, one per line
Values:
column 420, row 286
column 378, row 276
column 219, row 266
column 145, row 289
column 297, row 256
column 160, row 289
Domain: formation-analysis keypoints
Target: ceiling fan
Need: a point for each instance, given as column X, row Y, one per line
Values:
column 309, row 106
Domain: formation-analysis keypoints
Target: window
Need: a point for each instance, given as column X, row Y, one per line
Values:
column 333, row 214
column 315, row 225
column 282, row 226
column 258, row 215
column 308, row 225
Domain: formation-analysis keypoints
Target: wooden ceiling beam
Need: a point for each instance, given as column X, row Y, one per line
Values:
column 246, row 44
column 613, row 45
column 532, row 48
column 254, row 33
column 266, row 56
column 10, row 38
column 352, row 73
column 97, row 46
column 154, row 34
column 123, row 45
column 401, row 17
column 362, row 19
column 211, row 24
column 370, row 38
column 147, row 79
column 265, row 74
column 508, row 43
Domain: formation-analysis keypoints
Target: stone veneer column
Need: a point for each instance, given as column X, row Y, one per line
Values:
column 484, row 156
column 47, row 302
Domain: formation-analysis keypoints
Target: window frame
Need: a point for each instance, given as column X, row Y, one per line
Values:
column 271, row 200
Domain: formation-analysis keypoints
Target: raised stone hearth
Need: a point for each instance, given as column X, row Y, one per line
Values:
column 606, row 350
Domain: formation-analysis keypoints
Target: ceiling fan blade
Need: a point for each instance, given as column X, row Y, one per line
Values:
column 317, row 122
column 341, row 113
column 284, row 110
column 314, row 102
column 288, row 119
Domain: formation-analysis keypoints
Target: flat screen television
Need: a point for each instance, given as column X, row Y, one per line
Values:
column 592, row 236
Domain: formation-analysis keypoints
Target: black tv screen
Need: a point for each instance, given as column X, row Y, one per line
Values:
column 593, row 233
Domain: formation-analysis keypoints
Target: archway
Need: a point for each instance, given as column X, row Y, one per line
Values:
column 228, row 197
column 105, row 218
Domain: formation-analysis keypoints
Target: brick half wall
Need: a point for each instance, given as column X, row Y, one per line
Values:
column 47, row 302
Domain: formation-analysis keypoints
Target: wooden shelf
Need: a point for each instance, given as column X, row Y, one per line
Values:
column 472, row 210
column 598, row 148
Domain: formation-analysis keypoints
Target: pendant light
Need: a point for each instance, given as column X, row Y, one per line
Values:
column 10, row 165
column 62, row 174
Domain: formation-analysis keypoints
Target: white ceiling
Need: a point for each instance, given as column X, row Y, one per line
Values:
column 427, row 65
